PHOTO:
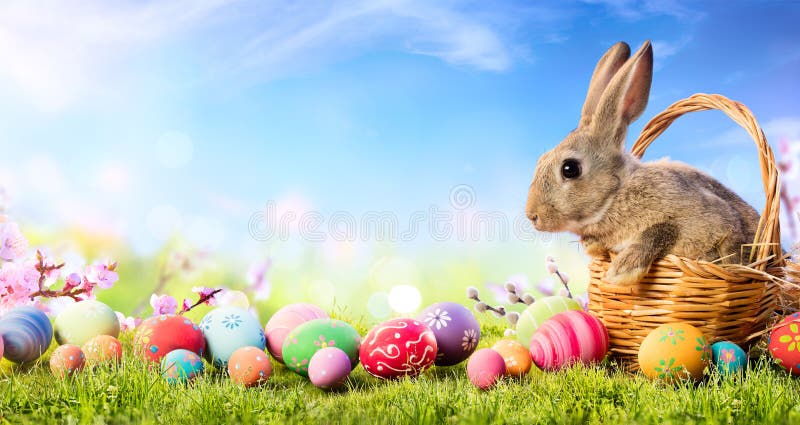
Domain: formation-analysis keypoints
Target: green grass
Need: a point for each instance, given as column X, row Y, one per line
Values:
column 130, row 393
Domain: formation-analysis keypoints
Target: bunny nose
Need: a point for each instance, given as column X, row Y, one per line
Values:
column 533, row 217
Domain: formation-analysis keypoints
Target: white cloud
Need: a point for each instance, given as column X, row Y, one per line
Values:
column 635, row 10
column 663, row 50
column 54, row 53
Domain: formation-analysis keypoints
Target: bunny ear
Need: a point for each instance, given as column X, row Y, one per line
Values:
column 606, row 67
column 625, row 98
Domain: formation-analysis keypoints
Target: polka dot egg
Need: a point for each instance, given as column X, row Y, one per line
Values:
column 329, row 368
column 538, row 312
column 84, row 320
column 102, row 349
column 249, row 366
column 226, row 329
column 784, row 343
column 66, row 360
column 180, row 366
column 728, row 358
column 674, row 352
column 161, row 334
column 516, row 357
column 485, row 368
column 314, row 335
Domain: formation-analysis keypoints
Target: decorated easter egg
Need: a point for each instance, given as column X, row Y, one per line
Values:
column 485, row 367
column 456, row 330
column 784, row 343
column 536, row 314
column 573, row 336
column 102, row 349
column 161, row 334
column 306, row 339
column 728, row 358
column 180, row 366
column 226, row 329
column 249, row 366
column 66, row 360
column 515, row 355
column 673, row 352
column 1, row 346
column 398, row 347
column 329, row 368
column 83, row 320
column 26, row 332
column 285, row 320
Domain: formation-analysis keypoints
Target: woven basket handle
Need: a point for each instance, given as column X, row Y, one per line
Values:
column 768, row 234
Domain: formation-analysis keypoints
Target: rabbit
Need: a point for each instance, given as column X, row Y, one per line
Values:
column 591, row 186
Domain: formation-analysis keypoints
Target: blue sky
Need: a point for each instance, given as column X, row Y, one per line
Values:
column 143, row 118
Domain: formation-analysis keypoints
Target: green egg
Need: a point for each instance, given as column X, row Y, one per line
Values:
column 85, row 320
column 309, row 337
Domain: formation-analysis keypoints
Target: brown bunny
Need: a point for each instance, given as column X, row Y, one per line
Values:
column 590, row 185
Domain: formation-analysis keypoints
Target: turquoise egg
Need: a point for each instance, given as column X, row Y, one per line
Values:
column 85, row 320
column 180, row 366
column 728, row 357
column 227, row 329
column 26, row 333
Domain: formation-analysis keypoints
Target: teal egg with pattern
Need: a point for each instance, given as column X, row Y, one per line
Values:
column 180, row 366
column 538, row 312
column 226, row 329
column 305, row 340
column 728, row 358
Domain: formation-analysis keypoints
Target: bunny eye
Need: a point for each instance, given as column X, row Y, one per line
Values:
column 571, row 169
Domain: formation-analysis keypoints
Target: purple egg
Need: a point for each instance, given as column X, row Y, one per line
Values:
column 456, row 329
column 329, row 368
column 26, row 333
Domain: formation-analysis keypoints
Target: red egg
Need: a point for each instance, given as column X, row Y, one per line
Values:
column 249, row 366
column 101, row 349
column 285, row 320
column 485, row 367
column 66, row 360
column 398, row 347
column 159, row 335
column 784, row 343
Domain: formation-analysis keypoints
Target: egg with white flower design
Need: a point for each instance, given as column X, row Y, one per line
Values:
column 456, row 330
column 226, row 329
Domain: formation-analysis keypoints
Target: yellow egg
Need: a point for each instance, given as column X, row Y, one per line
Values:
column 673, row 352
column 515, row 355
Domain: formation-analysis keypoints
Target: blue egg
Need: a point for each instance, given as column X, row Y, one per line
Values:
column 728, row 357
column 227, row 329
column 180, row 366
column 26, row 333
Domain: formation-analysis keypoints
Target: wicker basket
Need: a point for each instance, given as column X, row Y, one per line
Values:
column 726, row 301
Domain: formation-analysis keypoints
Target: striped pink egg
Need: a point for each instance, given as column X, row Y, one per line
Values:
column 568, row 338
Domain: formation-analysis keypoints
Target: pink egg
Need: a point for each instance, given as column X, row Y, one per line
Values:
column 1, row 346
column 485, row 367
column 329, row 368
column 568, row 338
column 285, row 320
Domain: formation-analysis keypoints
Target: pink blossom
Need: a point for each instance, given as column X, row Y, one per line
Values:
column 13, row 244
column 187, row 304
column 127, row 323
column 17, row 283
column 163, row 304
column 257, row 278
column 72, row 281
column 102, row 275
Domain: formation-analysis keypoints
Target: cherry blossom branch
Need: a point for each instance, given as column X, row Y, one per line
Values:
column 204, row 299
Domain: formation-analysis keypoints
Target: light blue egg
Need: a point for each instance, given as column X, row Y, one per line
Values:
column 728, row 357
column 227, row 329
column 26, row 333
column 180, row 366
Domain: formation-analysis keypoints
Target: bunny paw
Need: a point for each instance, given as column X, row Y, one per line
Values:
column 628, row 268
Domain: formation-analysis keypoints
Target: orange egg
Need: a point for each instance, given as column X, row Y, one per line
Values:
column 66, row 360
column 249, row 366
column 673, row 352
column 101, row 349
column 515, row 355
